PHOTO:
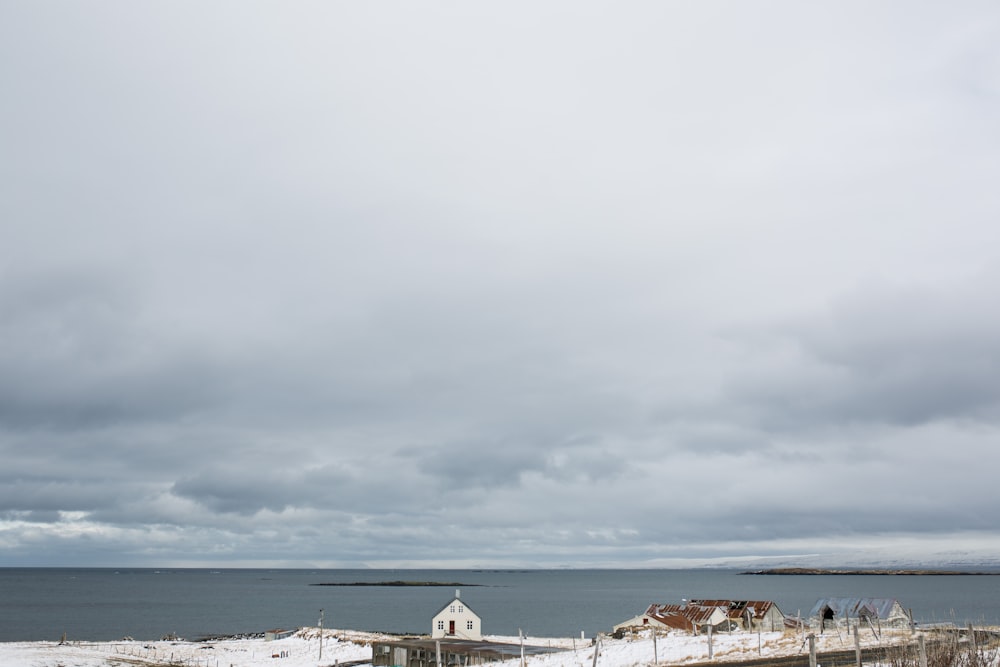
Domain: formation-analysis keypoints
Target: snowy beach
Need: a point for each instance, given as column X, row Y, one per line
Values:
column 342, row 647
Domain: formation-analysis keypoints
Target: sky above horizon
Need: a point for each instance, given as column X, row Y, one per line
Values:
column 473, row 284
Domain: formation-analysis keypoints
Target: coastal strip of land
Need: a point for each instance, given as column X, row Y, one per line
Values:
column 397, row 583
column 869, row 571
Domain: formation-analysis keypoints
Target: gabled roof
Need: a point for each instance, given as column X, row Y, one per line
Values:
column 457, row 600
column 683, row 616
column 877, row 607
column 737, row 609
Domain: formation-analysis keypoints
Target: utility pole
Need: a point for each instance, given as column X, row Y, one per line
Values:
column 320, row 635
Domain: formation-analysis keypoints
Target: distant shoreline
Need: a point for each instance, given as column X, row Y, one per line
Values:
column 398, row 583
column 868, row 571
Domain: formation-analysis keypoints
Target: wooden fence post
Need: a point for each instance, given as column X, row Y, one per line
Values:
column 857, row 647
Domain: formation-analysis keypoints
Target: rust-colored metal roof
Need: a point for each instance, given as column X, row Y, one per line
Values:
column 682, row 616
column 737, row 609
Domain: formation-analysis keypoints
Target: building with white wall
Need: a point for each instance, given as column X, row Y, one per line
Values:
column 457, row 621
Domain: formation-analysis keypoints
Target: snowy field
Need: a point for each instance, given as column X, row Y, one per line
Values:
column 342, row 646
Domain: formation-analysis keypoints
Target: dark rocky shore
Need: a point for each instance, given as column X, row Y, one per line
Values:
column 399, row 583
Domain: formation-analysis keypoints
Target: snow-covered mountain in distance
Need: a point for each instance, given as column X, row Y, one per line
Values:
column 881, row 558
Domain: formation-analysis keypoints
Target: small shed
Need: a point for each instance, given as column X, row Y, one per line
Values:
column 456, row 620
column 877, row 612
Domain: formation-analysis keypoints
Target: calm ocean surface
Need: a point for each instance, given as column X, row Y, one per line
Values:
column 104, row 604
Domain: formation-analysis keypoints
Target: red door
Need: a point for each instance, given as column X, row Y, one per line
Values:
column 451, row 627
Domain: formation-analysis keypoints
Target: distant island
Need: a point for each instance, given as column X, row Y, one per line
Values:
column 872, row 571
column 398, row 583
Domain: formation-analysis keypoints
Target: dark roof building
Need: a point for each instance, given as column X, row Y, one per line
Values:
column 454, row 652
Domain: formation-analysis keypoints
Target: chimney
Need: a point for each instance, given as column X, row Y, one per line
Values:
column 458, row 593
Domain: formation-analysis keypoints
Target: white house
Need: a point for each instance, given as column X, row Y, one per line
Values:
column 457, row 621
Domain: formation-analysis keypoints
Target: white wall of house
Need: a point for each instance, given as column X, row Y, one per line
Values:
column 456, row 620
column 717, row 618
column 774, row 620
column 639, row 622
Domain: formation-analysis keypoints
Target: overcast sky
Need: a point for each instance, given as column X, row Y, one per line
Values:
column 497, row 283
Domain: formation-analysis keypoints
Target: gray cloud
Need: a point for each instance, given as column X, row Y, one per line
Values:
column 570, row 284
column 77, row 354
column 890, row 355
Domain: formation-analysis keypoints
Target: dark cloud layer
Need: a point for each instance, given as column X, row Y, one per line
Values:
column 481, row 285
column 888, row 355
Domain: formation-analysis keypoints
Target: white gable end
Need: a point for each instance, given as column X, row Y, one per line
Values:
column 456, row 620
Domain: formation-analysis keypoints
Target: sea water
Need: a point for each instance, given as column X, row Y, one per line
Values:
column 105, row 603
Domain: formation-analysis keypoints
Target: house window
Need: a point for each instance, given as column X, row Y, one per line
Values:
column 468, row 625
column 461, row 609
column 452, row 609
column 440, row 625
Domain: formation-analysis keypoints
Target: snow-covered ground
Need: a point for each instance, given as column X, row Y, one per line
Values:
column 340, row 646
